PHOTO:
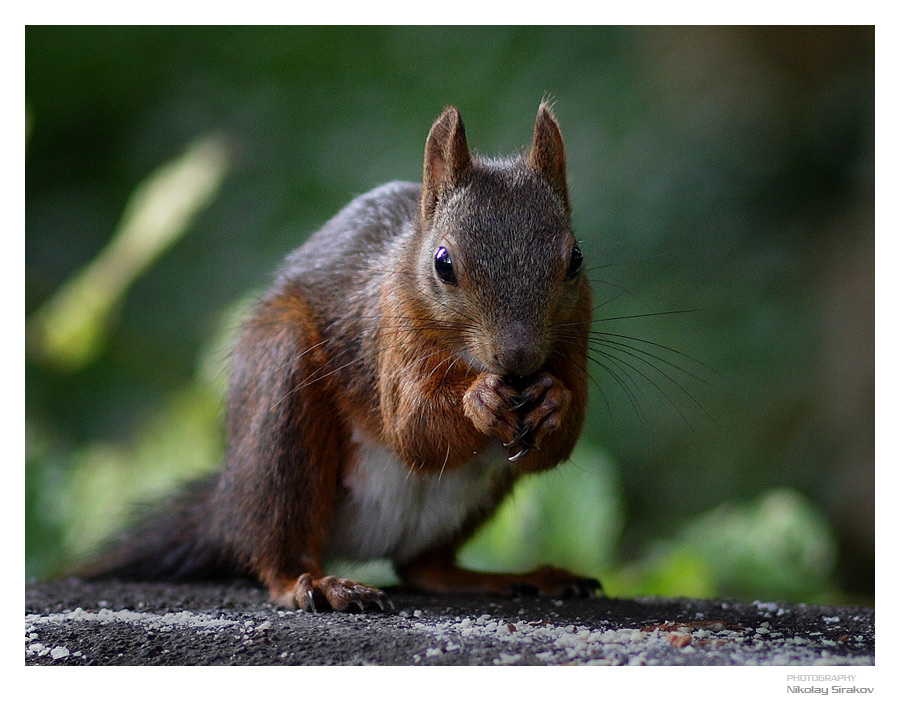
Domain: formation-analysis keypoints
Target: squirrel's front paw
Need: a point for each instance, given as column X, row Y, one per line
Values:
column 543, row 404
column 331, row 593
column 519, row 415
column 490, row 404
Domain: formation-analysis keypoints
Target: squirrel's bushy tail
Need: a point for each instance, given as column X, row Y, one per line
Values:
column 170, row 540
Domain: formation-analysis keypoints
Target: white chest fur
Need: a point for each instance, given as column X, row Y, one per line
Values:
column 389, row 511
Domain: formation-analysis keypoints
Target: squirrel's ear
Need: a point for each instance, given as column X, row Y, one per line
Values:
column 446, row 159
column 548, row 154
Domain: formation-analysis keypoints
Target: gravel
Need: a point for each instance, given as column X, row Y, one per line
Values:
column 71, row 622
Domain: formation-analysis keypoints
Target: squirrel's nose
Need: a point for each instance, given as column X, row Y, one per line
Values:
column 519, row 352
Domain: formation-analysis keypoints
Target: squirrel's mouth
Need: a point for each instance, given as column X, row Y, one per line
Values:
column 513, row 375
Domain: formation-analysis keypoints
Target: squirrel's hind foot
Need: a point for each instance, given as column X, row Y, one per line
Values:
column 332, row 593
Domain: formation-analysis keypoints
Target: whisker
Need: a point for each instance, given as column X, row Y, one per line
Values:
column 584, row 369
column 650, row 314
column 592, row 357
column 650, row 380
column 622, row 290
column 602, row 338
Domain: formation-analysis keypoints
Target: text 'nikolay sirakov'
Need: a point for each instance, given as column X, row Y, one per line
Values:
column 835, row 689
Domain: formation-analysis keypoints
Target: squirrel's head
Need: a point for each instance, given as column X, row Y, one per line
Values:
column 498, row 266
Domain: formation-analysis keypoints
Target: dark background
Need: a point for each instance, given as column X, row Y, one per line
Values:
column 722, row 181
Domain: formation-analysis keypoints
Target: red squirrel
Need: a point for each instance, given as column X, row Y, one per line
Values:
column 417, row 355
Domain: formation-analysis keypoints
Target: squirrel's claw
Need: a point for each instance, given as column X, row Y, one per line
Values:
column 524, row 440
column 523, row 433
column 357, row 598
column 518, row 455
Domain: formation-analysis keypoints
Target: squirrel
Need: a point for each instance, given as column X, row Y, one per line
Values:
column 414, row 357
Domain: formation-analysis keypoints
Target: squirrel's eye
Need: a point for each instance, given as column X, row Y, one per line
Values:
column 575, row 262
column 443, row 266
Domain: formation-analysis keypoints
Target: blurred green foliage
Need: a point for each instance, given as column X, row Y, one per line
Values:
column 723, row 187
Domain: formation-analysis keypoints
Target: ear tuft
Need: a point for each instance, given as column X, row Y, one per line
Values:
column 547, row 155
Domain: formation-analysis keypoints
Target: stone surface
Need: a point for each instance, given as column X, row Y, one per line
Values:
column 71, row 622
